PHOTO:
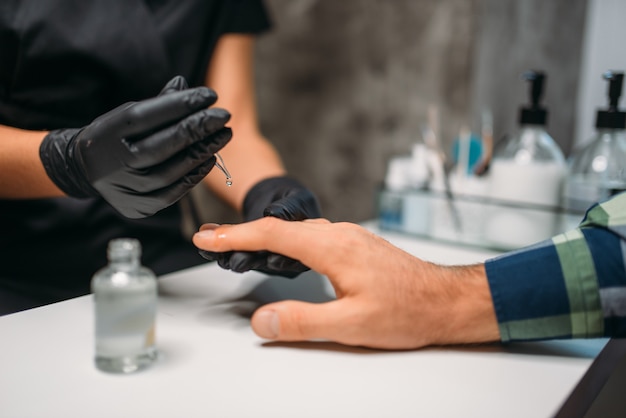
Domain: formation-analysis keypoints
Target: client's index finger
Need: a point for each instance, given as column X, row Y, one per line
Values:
column 295, row 239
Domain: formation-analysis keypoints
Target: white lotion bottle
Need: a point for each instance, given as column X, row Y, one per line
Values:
column 525, row 178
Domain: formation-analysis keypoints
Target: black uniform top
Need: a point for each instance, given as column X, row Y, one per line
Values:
column 62, row 64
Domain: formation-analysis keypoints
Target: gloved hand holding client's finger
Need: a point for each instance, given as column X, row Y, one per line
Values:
column 142, row 156
column 281, row 197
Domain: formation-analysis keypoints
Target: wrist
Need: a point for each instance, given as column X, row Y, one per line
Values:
column 58, row 159
column 22, row 175
column 471, row 315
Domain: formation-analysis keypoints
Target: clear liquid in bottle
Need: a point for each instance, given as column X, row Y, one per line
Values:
column 125, row 301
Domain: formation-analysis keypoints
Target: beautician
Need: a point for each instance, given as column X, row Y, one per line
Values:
column 100, row 137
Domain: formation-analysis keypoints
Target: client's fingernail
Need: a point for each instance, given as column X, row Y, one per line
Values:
column 267, row 324
column 205, row 233
column 209, row 226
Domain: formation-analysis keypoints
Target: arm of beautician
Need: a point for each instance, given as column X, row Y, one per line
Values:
column 387, row 298
column 260, row 185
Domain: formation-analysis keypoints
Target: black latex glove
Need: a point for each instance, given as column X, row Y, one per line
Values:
column 281, row 197
column 143, row 156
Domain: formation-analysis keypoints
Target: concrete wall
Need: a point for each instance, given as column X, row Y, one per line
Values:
column 344, row 85
column 530, row 34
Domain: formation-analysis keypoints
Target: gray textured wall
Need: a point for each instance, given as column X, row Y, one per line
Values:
column 345, row 85
column 519, row 35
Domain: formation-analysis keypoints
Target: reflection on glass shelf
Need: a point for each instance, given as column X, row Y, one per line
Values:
column 471, row 220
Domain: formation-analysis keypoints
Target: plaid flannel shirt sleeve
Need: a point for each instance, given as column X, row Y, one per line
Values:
column 570, row 286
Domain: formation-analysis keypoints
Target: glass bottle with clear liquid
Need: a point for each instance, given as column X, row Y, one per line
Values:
column 125, row 302
column 597, row 171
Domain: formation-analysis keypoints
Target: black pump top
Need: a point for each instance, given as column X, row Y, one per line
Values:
column 612, row 118
column 534, row 114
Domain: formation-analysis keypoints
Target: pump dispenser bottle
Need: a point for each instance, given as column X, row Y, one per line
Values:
column 527, row 170
column 125, row 300
column 598, row 170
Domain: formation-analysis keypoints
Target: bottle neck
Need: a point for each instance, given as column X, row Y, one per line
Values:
column 125, row 263
column 124, row 253
column 537, row 128
column 534, row 135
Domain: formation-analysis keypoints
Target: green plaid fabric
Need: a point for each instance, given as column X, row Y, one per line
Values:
column 570, row 286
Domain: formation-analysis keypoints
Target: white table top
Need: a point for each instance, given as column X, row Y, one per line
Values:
column 212, row 364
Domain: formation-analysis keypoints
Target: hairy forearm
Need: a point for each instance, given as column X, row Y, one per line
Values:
column 472, row 317
column 22, row 175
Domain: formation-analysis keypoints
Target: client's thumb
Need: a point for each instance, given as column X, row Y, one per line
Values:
column 294, row 321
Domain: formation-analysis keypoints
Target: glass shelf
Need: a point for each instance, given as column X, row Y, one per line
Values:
column 471, row 220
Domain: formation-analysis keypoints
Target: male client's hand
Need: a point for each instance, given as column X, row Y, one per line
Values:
column 386, row 298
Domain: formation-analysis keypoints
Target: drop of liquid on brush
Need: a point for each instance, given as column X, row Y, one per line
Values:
column 220, row 164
